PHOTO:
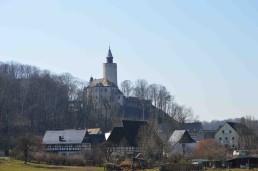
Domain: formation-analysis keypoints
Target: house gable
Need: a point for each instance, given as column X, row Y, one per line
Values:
column 195, row 129
column 120, row 137
column 180, row 136
column 228, row 134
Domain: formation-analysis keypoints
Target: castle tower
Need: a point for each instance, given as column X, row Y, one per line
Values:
column 110, row 68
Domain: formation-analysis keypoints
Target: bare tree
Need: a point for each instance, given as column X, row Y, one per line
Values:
column 248, row 137
column 126, row 87
column 182, row 114
column 153, row 93
column 27, row 144
column 150, row 144
column 141, row 89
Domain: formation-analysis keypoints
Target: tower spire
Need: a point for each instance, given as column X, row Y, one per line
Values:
column 109, row 56
column 110, row 68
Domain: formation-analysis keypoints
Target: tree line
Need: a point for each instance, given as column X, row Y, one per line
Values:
column 160, row 98
column 34, row 100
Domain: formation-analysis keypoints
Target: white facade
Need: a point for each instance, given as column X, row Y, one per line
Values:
column 182, row 143
column 66, row 142
column 184, row 149
column 104, row 92
column 105, row 95
column 110, row 72
column 227, row 135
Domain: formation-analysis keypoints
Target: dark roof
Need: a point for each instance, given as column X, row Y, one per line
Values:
column 118, row 135
column 193, row 127
column 180, row 136
column 133, row 127
column 97, row 138
column 128, row 132
column 209, row 134
column 167, row 127
column 109, row 55
column 236, row 126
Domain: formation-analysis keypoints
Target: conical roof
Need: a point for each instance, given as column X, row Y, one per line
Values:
column 109, row 55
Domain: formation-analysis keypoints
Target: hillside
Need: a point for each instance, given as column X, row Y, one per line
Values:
column 33, row 101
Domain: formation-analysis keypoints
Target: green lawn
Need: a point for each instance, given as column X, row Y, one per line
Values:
column 232, row 169
column 7, row 164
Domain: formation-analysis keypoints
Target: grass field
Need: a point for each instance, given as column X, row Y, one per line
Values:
column 232, row 169
column 7, row 164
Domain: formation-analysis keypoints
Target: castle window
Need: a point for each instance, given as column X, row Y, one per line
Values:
column 222, row 131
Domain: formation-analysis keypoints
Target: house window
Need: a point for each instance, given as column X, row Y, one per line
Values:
column 229, row 131
column 226, row 138
column 233, row 138
column 222, row 131
column 220, row 138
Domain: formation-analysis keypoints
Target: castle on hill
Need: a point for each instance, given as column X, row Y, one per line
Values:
column 104, row 92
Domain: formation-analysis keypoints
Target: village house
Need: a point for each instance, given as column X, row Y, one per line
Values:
column 70, row 142
column 229, row 134
column 195, row 130
column 134, row 137
column 182, row 143
column 124, row 138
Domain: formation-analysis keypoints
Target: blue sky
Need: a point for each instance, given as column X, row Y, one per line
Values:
column 204, row 52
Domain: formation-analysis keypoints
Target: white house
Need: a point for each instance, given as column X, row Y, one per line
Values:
column 66, row 142
column 182, row 143
column 229, row 134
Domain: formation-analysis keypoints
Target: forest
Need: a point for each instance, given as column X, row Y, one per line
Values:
column 34, row 100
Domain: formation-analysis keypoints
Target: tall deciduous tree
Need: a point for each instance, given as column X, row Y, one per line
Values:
column 248, row 134
column 27, row 144
column 149, row 142
column 127, row 88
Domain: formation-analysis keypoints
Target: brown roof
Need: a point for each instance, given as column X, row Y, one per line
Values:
column 94, row 131
column 102, row 82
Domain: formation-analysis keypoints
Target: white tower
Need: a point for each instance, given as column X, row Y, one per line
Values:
column 110, row 68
